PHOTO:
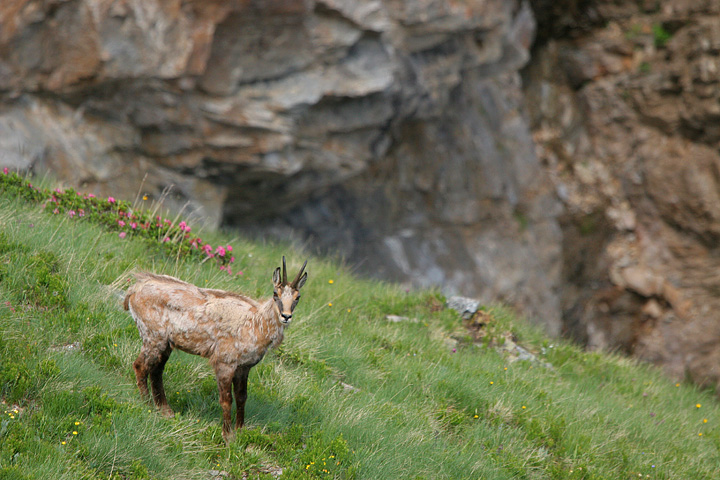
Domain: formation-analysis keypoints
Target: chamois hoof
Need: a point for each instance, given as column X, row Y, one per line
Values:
column 229, row 437
column 167, row 412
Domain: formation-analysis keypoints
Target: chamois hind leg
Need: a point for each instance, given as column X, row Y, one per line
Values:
column 142, row 370
column 240, row 385
column 224, row 375
column 157, row 366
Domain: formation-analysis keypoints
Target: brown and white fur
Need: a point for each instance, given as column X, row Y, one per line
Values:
column 233, row 331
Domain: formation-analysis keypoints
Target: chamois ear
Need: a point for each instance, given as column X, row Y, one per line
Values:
column 276, row 277
column 301, row 282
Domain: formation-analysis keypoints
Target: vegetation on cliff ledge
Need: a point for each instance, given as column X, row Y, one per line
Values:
column 350, row 394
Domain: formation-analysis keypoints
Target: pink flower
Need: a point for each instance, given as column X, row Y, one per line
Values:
column 90, row 195
column 133, row 225
column 166, row 239
column 229, row 248
column 220, row 251
column 5, row 170
column 240, row 272
column 207, row 248
column 122, row 234
column 56, row 211
column 111, row 200
column 232, row 259
column 57, row 190
column 71, row 213
column 81, row 213
column 121, row 223
column 182, row 226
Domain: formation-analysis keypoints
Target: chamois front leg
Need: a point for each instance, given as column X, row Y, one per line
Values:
column 240, row 385
column 225, row 375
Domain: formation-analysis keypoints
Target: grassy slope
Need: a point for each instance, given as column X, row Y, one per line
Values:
column 70, row 408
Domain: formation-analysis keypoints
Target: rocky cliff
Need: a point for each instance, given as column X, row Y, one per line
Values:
column 402, row 135
column 391, row 132
column 624, row 102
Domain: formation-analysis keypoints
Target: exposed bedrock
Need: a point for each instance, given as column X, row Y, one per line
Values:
column 391, row 132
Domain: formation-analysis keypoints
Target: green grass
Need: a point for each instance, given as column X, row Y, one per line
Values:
column 427, row 404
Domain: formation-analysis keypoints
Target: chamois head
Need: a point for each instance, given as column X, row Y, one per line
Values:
column 287, row 295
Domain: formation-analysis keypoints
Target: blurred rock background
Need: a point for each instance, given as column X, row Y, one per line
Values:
column 562, row 157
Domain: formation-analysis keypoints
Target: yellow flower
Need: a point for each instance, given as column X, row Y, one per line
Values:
column 704, row 420
column 77, row 423
column 492, row 383
column 524, row 407
column 677, row 384
column 697, row 405
column 331, row 281
column 330, row 304
column 74, row 432
column 145, row 197
column 700, row 434
column 348, row 310
column 63, row 442
column 475, row 416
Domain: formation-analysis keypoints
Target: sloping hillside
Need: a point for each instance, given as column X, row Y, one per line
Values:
column 352, row 393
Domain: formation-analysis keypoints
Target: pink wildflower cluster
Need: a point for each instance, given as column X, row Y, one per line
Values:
column 220, row 254
column 121, row 217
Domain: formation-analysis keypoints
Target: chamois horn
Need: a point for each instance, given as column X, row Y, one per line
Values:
column 297, row 278
column 284, row 272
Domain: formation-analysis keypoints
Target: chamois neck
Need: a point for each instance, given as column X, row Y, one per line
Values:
column 267, row 312
column 271, row 327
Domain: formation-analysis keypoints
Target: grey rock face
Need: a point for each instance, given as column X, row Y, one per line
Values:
column 391, row 132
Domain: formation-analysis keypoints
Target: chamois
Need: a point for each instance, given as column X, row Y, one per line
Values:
column 233, row 331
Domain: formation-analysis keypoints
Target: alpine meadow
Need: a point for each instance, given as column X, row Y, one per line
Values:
column 372, row 380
